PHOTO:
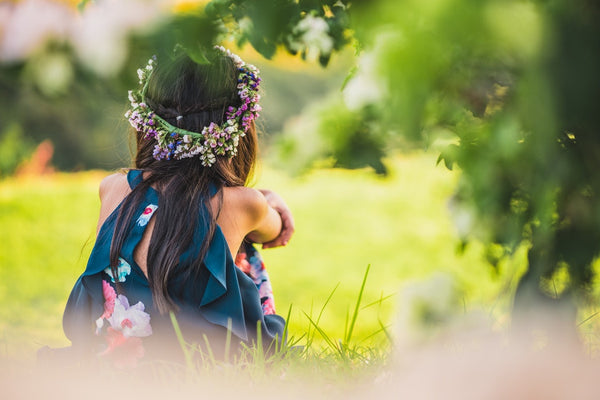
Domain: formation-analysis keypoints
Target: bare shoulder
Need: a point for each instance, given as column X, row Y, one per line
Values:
column 114, row 185
column 113, row 189
column 246, row 213
column 246, row 200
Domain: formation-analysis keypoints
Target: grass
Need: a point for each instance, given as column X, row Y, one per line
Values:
column 399, row 225
column 340, row 362
column 372, row 260
column 47, row 229
column 346, row 221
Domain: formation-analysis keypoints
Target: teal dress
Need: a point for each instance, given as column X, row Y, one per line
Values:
column 114, row 317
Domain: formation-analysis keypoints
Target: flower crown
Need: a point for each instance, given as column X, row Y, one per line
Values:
column 214, row 140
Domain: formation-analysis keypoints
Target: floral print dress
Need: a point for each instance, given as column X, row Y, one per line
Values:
column 110, row 313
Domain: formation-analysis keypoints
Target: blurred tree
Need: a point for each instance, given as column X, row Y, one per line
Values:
column 512, row 88
column 519, row 106
column 63, row 77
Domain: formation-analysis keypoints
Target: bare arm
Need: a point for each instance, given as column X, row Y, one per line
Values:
column 277, row 203
column 268, row 220
column 246, row 213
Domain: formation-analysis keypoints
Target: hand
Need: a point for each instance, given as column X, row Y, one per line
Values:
column 287, row 220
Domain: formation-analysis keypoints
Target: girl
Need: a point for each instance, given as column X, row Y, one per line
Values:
column 169, row 228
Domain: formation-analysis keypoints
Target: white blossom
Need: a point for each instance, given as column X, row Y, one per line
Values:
column 131, row 321
column 26, row 26
column 314, row 37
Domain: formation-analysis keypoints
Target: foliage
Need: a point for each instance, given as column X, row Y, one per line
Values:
column 13, row 149
column 513, row 110
column 309, row 27
column 329, row 130
column 66, row 79
column 517, row 109
column 347, row 356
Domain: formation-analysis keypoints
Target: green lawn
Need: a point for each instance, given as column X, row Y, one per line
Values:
column 345, row 221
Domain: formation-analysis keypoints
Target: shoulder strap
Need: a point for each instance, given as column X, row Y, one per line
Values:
column 134, row 177
column 212, row 189
column 99, row 258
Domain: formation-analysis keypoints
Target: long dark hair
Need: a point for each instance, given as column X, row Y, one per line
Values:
column 200, row 94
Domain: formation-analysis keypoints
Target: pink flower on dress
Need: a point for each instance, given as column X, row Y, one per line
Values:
column 127, row 325
column 242, row 263
column 254, row 268
column 132, row 321
column 146, row 215
column 123, row 351
column 268, row 306
column 109, row 304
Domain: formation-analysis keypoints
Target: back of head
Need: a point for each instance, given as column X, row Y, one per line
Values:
column 191, row 96
column 194, row 127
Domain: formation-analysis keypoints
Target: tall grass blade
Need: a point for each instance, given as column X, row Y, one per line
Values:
column 346, row 324
column 283, row 342
column 325, row 337
column 310, row 333
column 189, row 362
column 588, row 318
column 258, row 350
column 386, row 331
column 211, row 355
column 228, row 339
column 293, row 341
column 357, row 307
column 382, row 328
column 379, row 301
column 327, row 302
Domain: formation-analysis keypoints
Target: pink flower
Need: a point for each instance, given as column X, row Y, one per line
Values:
column 242, row 263
column 123, row 351
column 109, row 304
column 146, row 215
column 268, row 306
column 109, row 297
column 128, row 324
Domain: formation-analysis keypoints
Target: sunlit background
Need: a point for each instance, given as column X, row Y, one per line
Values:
column 450, row 147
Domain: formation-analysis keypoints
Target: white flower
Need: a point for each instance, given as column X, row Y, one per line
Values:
column 462, row 216
column 99, row 33
column 314, row 35
column 131, row 321
column 27, row 26
column 364, row 88
column 367, row 86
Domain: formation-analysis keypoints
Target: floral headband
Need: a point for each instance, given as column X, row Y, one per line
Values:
column 214, row 140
